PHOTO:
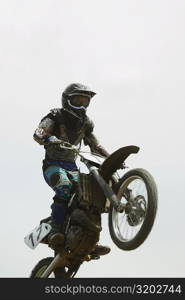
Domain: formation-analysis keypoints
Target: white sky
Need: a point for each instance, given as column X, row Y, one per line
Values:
column 132, row 53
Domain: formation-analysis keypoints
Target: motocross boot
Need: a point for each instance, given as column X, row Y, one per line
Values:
column 100, row 250
column 55, row 238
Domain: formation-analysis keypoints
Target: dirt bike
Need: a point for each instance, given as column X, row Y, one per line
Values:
column 131, row 204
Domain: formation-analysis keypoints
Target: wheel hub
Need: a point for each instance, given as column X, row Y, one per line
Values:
column 136, row 210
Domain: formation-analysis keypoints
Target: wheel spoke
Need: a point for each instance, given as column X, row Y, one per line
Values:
column 126, row 226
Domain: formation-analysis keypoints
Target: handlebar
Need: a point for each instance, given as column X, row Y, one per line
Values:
column 66, row 145
column 105, row 187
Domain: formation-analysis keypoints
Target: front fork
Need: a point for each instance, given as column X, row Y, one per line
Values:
column 109, row 193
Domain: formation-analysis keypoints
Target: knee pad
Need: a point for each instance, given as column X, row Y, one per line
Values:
column 55, row 179
column 63, row 191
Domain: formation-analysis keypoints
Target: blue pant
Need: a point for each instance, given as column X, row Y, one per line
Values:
column 60, row 180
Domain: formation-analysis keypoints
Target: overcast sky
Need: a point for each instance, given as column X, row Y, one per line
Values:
column 131, row 52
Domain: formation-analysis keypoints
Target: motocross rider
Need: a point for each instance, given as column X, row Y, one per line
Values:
column 67, row 124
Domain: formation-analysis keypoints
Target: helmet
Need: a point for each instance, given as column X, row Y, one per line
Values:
column 76, row 89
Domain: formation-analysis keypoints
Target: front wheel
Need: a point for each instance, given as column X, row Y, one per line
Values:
column 138, row 192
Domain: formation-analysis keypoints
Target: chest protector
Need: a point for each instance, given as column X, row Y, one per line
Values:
column 69, row 130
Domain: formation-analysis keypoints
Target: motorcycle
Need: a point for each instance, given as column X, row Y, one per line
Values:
column 130, row 201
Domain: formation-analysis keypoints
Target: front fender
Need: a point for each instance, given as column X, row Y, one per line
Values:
column 114, row 161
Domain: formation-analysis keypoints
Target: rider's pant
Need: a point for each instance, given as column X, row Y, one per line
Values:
column 60, row 180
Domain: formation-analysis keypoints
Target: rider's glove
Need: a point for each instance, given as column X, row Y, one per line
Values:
column 53, row 140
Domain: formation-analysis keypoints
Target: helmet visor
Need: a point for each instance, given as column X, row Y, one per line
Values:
column 79, row 101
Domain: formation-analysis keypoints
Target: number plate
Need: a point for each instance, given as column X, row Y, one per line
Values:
column 37, row 234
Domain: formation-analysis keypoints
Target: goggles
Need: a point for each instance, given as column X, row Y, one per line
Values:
column 79, row 101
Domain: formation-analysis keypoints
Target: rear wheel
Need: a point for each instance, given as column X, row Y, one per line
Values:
column 138, row 192
column 57, row 273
